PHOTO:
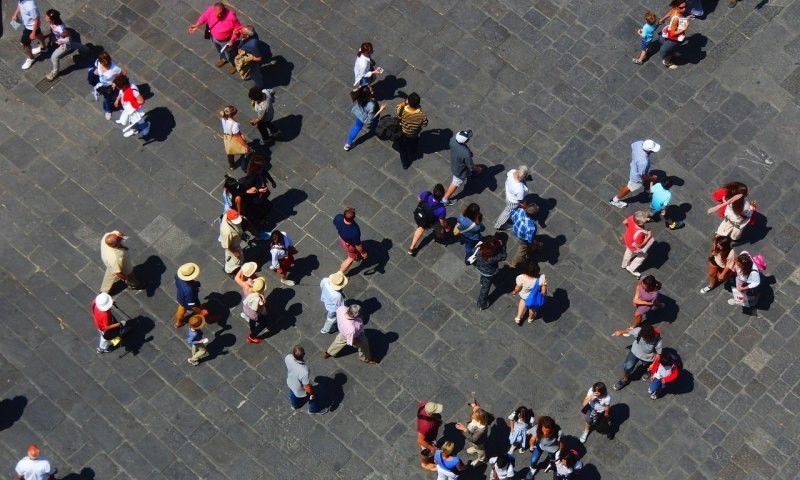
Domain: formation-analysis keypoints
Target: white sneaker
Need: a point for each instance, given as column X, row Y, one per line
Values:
column 705, row 290
column 511, row 449
column 618, row 203
column 634, row 273
column 36, row 50
column 27, row 64
column 584, row 436
column 732, row 301
column 129, row 133
column 289, row 283
column 108, row 115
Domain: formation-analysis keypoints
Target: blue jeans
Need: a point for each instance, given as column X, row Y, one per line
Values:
column 351, row 137
column 631, row 362
column 108, row 99
column 655, row 385
column 313, row 404
column 469, row 246
column 537, row 452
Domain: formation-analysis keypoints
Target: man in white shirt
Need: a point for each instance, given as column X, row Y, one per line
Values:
column 516, row 190
column 33, row 467
column 29, row 15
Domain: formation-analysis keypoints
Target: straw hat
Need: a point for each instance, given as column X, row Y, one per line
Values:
column 338, row 280
column 189, row 271
column 259, row 285
column 249, row 268
column 197, row 321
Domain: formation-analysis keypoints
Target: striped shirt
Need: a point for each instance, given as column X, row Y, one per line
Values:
column 411, row 123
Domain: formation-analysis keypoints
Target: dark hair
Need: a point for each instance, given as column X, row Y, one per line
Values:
column 473, row 212
column 256, row 94
column 736, row 188
column 650, row 17
column 349, row 213
column 276, row 237
column 104, row 58
column 666, row 360
column 548, row 423
column 255, row 164
column 366, row 48
column 483, row 416
column 121, row 81
column 523, row 413
column 531, row 268
column 220, row 5
column 502, row 461
column 54, row 15
column 647, row 332
column 438, row 191
column 676, row 3
column 532, row 210
column 361, row 95
column 650, row 283
column 413, row 100
column 666, row 182
column 489, row 247
column 298, row 353
column 231, row 185
column 600, row 387
column 745, row 263
column 570, row 458
column 723, row 243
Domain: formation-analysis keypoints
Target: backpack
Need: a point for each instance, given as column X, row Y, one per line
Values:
column 535, row 298
column 423, row 214
column 758, row 260
column 388, row 128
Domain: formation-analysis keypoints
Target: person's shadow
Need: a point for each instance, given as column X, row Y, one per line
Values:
column 475, row 185
column 289, row 126
column 504, row 282
column 283, row 206
column 657, row 256
column 766, row 295
column 218, row 345
column 149, row 273
column 331, row 390
column 379, row 342
column 756, row 231
column 85, row 474
column 220, row 306
column 386, row 88
column 304, row 267
column 434, row 140
column 550, row 250
column 368, row 307
column 668, row 313
column 451, row 434
column 277, row 72
column 377, row 258
column 556, row 305
column 618, row 414
column 280, row 315
column 162, row 122
column 546, row 205
column 11, row 410
column 135, row 337
column 590, row 472
column 691, row 51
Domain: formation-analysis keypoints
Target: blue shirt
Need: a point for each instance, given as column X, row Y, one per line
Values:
column 439, row 211
column 349, row 233
column 640, row 162
column 474, row 233
column 187, row 292
column 648, row 31
column 194, row 336
column 661, row 197
column 524, row 226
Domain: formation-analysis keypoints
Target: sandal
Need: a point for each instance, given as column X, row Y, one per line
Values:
column 637, row 61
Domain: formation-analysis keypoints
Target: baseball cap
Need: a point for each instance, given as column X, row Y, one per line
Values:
column 233, row 216
column 651, row 146
column 463, row 136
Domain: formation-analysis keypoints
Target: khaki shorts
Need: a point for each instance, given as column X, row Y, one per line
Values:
column 633, row 186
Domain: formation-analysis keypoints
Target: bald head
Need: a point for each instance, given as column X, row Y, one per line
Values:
column 113, row 239
column 33, row 452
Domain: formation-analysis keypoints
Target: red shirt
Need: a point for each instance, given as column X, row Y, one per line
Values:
column 427, row 425
column 634, row 235
column 102, row 319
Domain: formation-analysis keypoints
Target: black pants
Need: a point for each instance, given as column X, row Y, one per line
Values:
column 266, row 129
column 253, row 327
column 483, row 295
column 409, row 149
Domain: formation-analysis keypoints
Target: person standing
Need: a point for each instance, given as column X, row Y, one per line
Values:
column 351, row 332
column 187, row 291
column 64, row 41
column 448, row 465
column 645, row 349
column 638, row 241
column 254, row 308
column 195, row 339
column 246, row 276
column 531, row 278
column 639, row 174
column 222, row 24
column 748, row 279
column 29, row 14
column 298, row 378
column 118, row 265
column 364, row 69
column 230, row 237
column 249, row 56
column 233, row 140
column 470, row 226
column 720, row 264
column 105, row 322
column 349, row 237
column 34, row 467
column 461, row 165
column 645, row 298
column 490, row 253
column 282, row 251
column 332, row 298
column 524, row 227
column 476, row 432
column 596, row 408
column 738, row 214
column 412, row 120
column 101, row 78
column 262, row 101
column 131, row 102
column 516, row 190
column 545, row 438
column 366, row 112
column 429, row 420
column 430, row 213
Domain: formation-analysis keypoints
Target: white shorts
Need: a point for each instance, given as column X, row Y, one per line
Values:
column 458, row 181
column 633, row 186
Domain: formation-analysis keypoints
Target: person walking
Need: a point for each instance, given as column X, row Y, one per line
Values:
column 645, row 298
column 662, row 371
column 254, row 308
column 101, row 78
column 639, row 174
column 476, row 432
column 461, row 165
column 596, row 410
column 64, row 41
column 546, row 437
column 332, row 298
column 524, row 228
column 448, row 465
column 516, row 189
column 490, row 253
column 249, row 56
column 256, row 204
column 674, row 32
column 33, row 466
column 298, row 379
column 246, row 276
column 529, row 280
column 195, row 340
column 412, row 120
column 282, row 251
column 645, row 349
column 222, row 23
column 737, row 216
column 430, row 213
column 501, row 467
column 429, row 420
column 748, row 279
column 232, row 137
column 349, row 237
column 118, row 264
column 28, row 13
column 187, row 291
column 230, row 237
column 721, row 262
column 351, row 332
column 638, row 241
column 132, row 102
column 469, row 226
column 105, row 322
column 366, row 111
column 262, row 101
column 365, row 69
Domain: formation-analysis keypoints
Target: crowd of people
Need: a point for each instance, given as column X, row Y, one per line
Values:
column 246, row 215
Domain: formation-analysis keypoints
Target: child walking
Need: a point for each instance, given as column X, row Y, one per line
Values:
column 195, row 339
column 519, row 422
column 646, row 32
column 661, row 196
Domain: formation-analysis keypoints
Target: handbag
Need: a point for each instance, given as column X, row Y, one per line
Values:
column 235, row 144
column 207, row 33
column 535, row 298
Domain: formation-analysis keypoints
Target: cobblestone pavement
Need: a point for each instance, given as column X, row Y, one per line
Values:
column 546, row 83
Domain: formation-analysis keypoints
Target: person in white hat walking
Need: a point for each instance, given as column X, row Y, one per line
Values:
column 118, row 265
column 460, row 164
column 640, row 171
column 332, row 298
column 230, row 237
column 105, row 322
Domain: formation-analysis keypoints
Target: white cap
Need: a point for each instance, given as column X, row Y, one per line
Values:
column 651, row 146
column 463, row 136
column 104, row 302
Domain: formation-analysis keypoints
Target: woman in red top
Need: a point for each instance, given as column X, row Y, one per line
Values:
column 674, row 31
column 637, row 241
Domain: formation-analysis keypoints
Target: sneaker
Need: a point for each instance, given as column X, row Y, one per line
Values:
column 637, row 61
column 253, row 339
column 675, row 225
column 102, row 350
column 449, row 202
column 319, row 412
column 654, row 396
column 645, row 376
column 584, row 436
column 27, row 64
column 193, row 362
column 518, row 321
column 732, row 301
column 521, row 450
column 288, row 283
column 511, row 449
column 36, row 50
column 549, row 466
column 531, row 319
column 531, row 473
column 347, row 147
column 628, row 334
column 120, row 121
column 129, row 133
column 108, row 115
column 618, row 203
column 634, row 273
column 620, row 384
column 51, row 76
column 705, row 290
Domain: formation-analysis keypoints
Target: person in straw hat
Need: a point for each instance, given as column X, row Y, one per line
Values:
column 188, row 291
column 195, row 339
column 105, row 322
column 429, row 420
column 332, row 298
column 245, row 277
column 254, row 307
column 230, row 237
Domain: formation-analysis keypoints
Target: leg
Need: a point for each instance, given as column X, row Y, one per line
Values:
column 232, row 262
column 295, row 401
column 521, row 309
column 180, row 313
column 637, row 319
column 503, row 218
column 362, row 344
column 622, row 192
column 253, row 324
column 133, row 281
column 627, row 257
column 351, row 137
column 345, row 264
column 638, row 260
column 256, row 76
column 109, row 279
column 415, row 239
column 337, row 345
column 483, row 295
column 522, row 253
column 655, row 386
column 631, row 361
column 198, row 352
column 413, row 148
column 104, row 344
column 537, row 453
column 313, row 405
column 330, row 322
column 450, row 191
column 108, row 103
column 480, row 454
column 55, row 58
column 402, row 147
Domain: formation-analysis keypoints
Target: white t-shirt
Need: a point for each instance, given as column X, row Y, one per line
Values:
column 527, row 282
column 58, row 32
column 599, row 404
column 230, row 126
column 562, row 469
column 662, row 372
column 361, row 68
column 38, row 469
column 108, row 75
column 280, row 253
column 502, row 473
column 515, row 191
column 28, row 13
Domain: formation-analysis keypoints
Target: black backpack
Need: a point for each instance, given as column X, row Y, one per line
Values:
column 388, row 128
column 423, row 214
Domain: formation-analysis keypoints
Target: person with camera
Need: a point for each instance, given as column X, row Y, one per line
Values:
column 476, row 432
column 596, row 410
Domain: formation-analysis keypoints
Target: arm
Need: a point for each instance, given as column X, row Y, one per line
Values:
column 14, row 18
column 203, row 18
column 544, row 288
column 623, row 331
column 751, row 282
column 424, row 443
column 35, row 27
column 516, row 290
column 309, row 390
column 586, row 399
column 637, row 300
column 424, row 119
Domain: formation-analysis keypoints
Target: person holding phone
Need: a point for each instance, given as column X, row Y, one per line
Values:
column 596, row 409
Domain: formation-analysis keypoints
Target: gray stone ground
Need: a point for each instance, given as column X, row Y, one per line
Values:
column 546, row 83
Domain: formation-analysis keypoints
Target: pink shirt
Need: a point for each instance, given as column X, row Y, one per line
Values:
column 350, row 328
column 221, row 29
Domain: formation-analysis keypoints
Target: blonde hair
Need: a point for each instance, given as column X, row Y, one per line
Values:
column 228, row 111
column 447, row 448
